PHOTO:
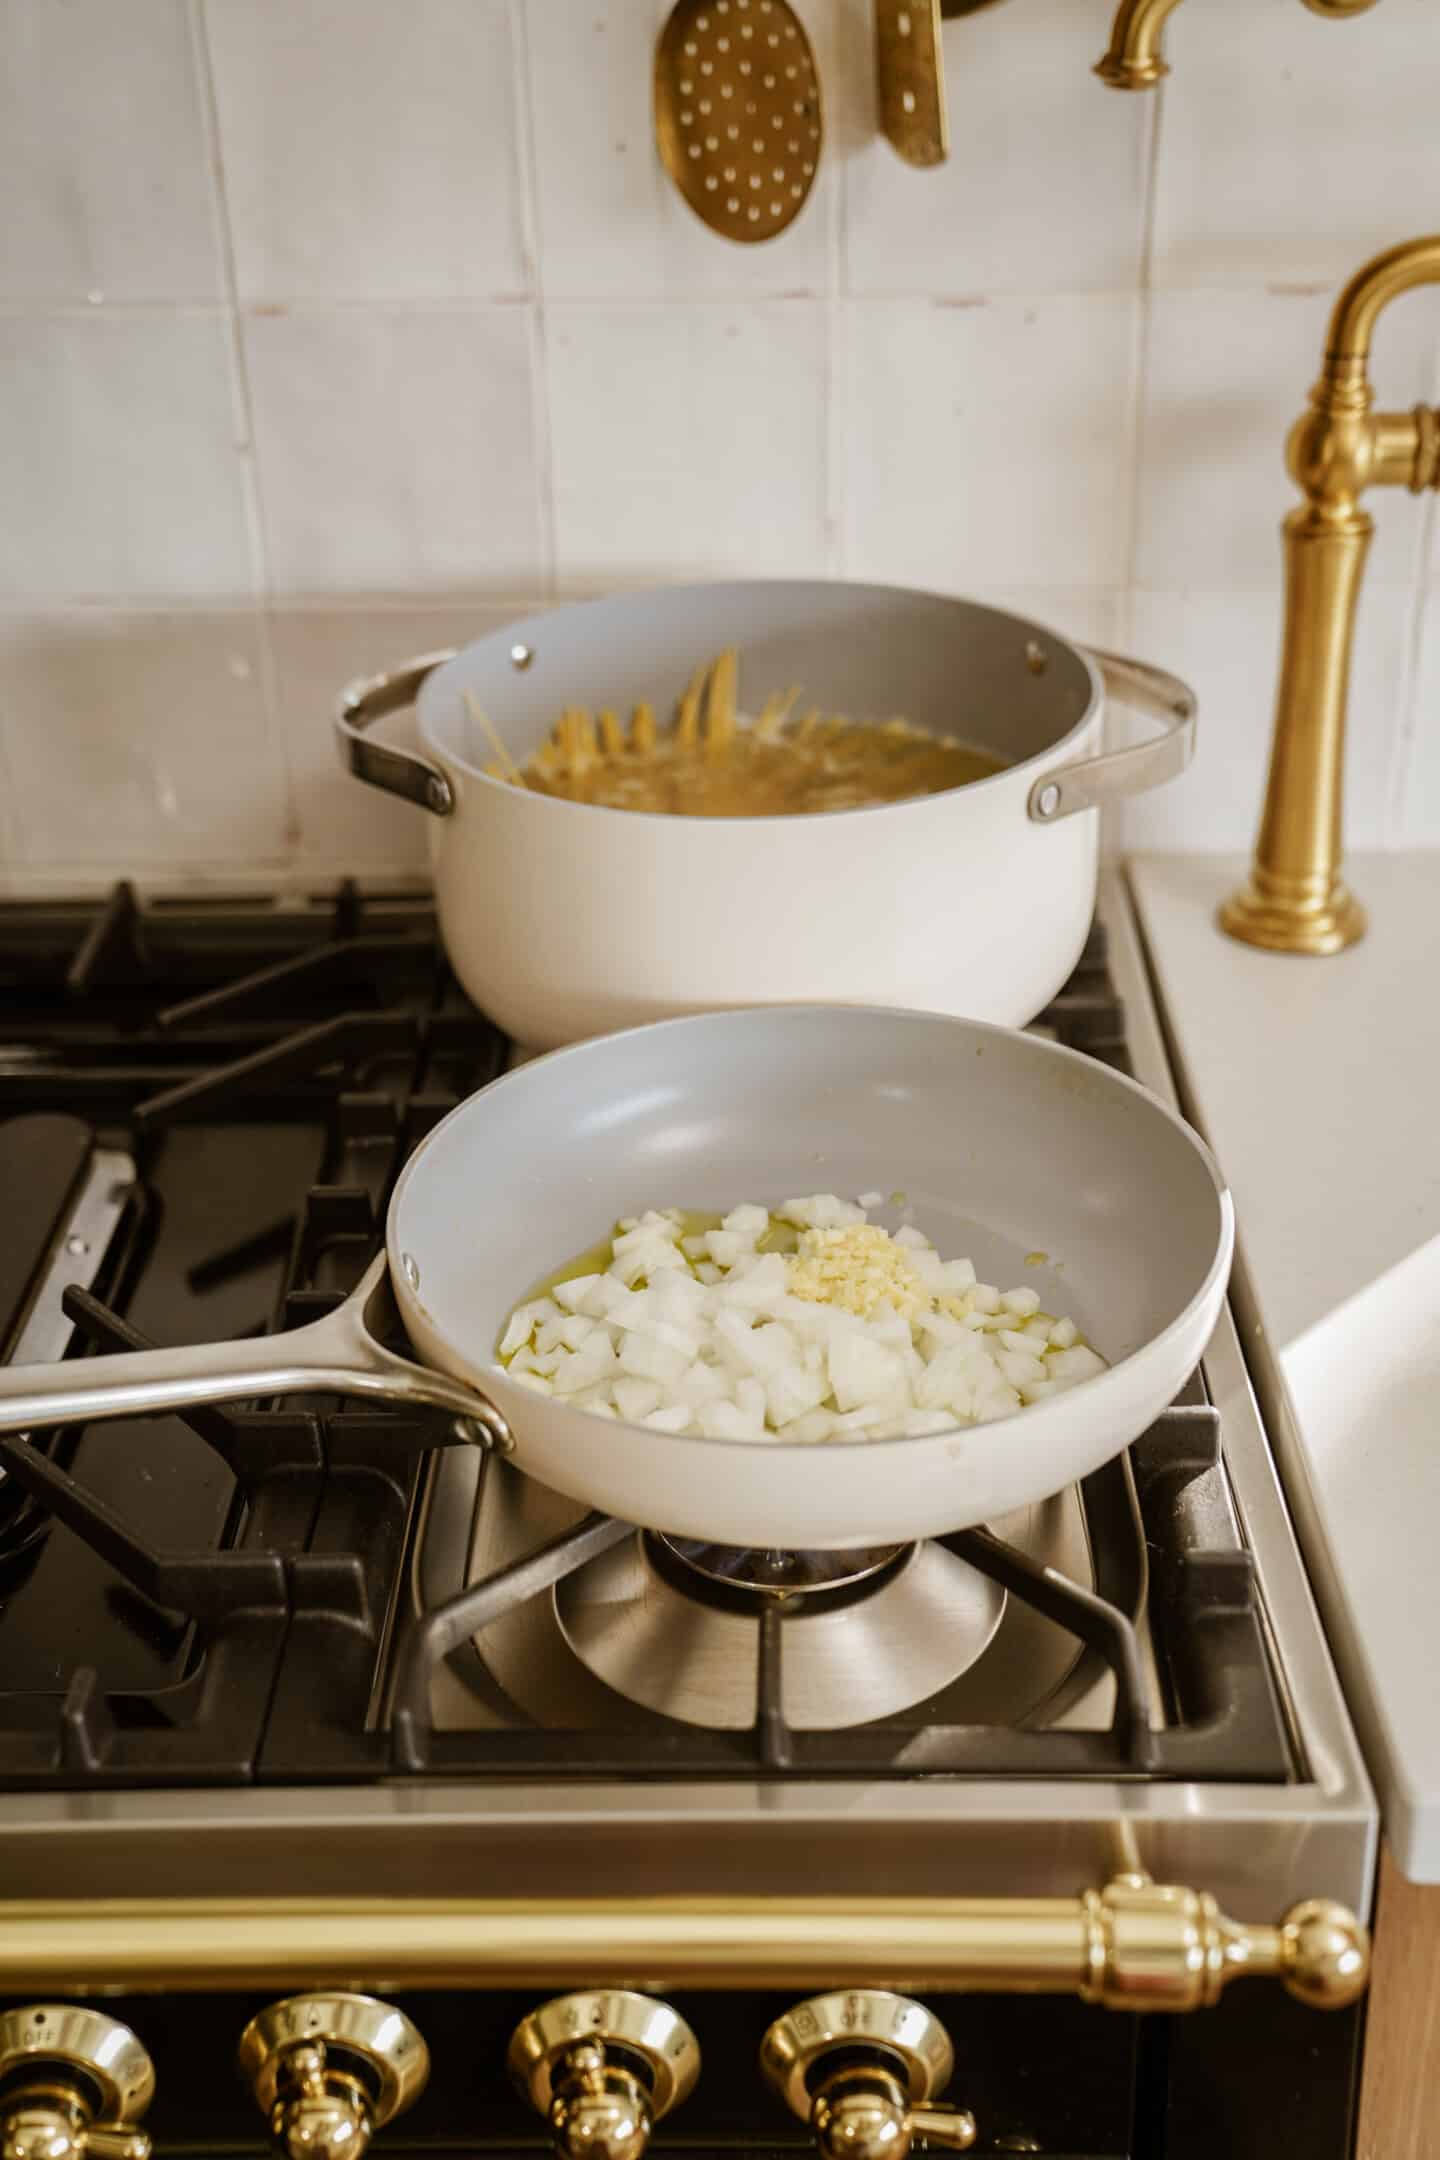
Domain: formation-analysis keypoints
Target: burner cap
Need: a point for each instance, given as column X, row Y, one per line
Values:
column 767, row 1571
column 674, row 1625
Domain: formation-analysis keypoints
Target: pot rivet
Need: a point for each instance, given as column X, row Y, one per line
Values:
column 412, row 1273
column 437, row 791
column 1048, row 801
column 520, row 656
column 1036, row 658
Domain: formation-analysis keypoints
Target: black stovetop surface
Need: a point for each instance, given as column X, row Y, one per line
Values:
column 214, row 1598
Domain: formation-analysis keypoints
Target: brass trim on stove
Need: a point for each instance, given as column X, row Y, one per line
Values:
column 1133, row 1945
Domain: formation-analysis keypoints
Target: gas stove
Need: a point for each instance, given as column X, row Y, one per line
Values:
column 308, row 1651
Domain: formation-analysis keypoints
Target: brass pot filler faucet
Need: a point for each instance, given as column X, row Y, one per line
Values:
column 1295, row 900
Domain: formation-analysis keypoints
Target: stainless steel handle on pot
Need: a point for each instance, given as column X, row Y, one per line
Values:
column 399, row 772
column 1094, row 781
column 338, row 1355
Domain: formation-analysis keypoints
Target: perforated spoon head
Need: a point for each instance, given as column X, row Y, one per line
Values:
column 738, row 116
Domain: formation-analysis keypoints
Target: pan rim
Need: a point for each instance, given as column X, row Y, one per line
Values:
column 436, row 684
column 1037, row 1416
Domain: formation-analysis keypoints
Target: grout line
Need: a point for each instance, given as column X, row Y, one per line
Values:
column 167, row 607
column 839, row 344
column 1115, row 825
column 270, row 877
column 407, row 304
column 13, row 853
column 527, row 192
column 249, row 456
column 1140, row 380
column 1407, row 734
column 837, row 376
column 56, row 308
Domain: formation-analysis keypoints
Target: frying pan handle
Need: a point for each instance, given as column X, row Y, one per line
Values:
column 335, row 1356
column 1068, row 788
column 382, row 765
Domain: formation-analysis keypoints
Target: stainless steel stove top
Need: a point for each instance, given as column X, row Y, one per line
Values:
column 467, row 1690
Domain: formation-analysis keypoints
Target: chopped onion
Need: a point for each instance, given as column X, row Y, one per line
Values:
column 856, row 1335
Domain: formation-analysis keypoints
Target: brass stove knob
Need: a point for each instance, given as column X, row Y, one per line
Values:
column 603, row 2068
column 330, row 2070
column 74, row 2081
column 859, row 2068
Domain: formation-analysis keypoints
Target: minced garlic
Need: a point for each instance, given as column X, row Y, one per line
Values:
column 858, row 1267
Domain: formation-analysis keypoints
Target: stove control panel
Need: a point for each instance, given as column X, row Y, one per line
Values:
column 862, row 2067
column 328, row 2071
column 603, row 2067
column 73, row 2085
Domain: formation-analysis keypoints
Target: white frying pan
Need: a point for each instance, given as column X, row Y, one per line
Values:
column 1003, row 1144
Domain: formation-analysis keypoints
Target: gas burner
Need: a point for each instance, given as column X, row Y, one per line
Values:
column 768, row 1572
column 674, row 1625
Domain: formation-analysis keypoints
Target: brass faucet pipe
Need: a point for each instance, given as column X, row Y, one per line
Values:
column 1295, row 899
column 1358, row 309
column 1136, row 59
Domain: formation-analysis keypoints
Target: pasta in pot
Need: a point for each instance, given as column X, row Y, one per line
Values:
column 714, row 762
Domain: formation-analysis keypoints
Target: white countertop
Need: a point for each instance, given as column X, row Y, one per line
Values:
column 1317, row 1083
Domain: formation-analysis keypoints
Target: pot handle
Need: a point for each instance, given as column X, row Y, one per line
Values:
column 338, row 1355
column 399, row 772
column 1093, row 781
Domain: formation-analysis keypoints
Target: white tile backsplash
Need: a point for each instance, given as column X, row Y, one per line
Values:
column 142, row 739
column 330, row 329
column 612, row 226
column 1019, row 85
column 1415, row 812
column 369, row 149
column 104, row 176
column 1086, row 614
column 120, row 459
column 396, row 449
column 687, row 442
column 990, row 442
column 318, row 652
column 1226, row 645
column 1292, row 145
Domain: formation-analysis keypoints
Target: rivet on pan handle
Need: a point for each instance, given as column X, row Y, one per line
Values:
column 1094, row 781
column 399, row 772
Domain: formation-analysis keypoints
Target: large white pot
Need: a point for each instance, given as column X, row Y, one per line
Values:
column 562, row 920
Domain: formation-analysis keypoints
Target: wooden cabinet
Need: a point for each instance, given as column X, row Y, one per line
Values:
column 1400, row 2082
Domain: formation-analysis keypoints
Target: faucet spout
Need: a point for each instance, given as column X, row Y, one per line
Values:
column 1136, row 59
column 1295, row 900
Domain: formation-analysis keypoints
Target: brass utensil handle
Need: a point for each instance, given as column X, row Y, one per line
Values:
column 1132, row 1945
column 399, row 772
column 1095, row 781
column 910, row 80
column 337, row 1355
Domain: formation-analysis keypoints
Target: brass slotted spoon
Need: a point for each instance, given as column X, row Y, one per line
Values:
column 737, row 113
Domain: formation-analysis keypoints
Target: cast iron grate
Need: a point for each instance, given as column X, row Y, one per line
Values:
column 322, row 1042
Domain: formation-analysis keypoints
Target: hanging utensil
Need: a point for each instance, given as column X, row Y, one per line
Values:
column 910, row 77
column 737, row 113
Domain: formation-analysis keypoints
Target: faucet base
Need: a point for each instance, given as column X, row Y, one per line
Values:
column 1317, row 926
